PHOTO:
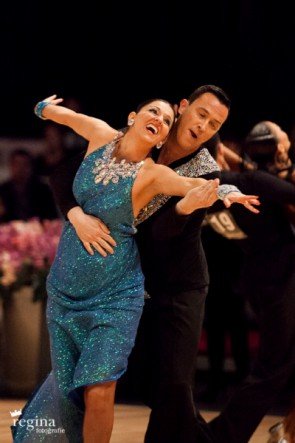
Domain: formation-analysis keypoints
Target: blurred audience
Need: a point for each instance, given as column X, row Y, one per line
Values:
column 54, row 151
column 60, row 143
column 267, row 279
column 268, row 145
column 24, row 195
column 73, row 142
column 226, row 322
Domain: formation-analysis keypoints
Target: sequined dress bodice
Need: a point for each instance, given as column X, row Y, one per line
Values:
column 102, row 187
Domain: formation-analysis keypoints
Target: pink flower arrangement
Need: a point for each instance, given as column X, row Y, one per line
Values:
column 30, row 244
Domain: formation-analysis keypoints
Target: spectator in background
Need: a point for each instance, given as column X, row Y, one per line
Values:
column 268, row 145
column 24, row 196
column 73, row 142
column 268, row 280
column 54, row 151
column 60, row 143
column 225, row 313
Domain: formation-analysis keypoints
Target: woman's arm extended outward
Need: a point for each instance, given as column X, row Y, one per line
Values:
column 158, row 179
column 96, row 131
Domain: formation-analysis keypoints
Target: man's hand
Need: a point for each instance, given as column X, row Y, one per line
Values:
column 200, row 197
column 247, row 200
column 92, row 232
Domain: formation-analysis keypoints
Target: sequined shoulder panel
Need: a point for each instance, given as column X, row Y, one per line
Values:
column 202, row 163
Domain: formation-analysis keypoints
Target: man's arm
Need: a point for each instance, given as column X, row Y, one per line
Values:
column 61, row 183
column 268, row 186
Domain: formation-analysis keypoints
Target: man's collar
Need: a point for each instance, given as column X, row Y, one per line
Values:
column 156, row 152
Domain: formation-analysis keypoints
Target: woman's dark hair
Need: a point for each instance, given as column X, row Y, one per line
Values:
column 147, row 102
column 212, row 89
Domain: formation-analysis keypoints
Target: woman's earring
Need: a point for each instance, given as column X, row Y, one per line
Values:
column 130, row 121
column 159, row 145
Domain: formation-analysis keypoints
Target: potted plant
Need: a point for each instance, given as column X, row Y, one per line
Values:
column 27, row 249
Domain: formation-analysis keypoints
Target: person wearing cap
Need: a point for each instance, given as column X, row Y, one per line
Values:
column 268, row 281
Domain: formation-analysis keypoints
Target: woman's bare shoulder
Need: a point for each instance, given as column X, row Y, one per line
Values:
column 100, row 137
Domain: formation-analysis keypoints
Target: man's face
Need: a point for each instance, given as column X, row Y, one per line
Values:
column 199, row 121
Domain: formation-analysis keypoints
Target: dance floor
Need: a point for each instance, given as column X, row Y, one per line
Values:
column 130, row 422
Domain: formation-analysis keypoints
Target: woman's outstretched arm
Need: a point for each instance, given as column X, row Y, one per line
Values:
column 159, row 179
column 168, row 182
column 88, row 127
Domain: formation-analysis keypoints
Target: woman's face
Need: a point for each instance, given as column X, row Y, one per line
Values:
column 154, row 121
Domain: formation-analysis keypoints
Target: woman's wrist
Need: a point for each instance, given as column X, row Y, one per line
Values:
column 38, row 110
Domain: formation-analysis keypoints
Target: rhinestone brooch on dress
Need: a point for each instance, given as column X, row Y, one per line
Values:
column 107, row 169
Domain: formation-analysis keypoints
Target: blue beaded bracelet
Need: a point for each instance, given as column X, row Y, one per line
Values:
column 39, row 108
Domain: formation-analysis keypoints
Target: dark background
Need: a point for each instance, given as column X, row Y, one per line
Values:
column 113, row 55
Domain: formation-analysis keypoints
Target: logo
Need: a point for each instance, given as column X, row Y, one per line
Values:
column 37, row 424
column 15, row 413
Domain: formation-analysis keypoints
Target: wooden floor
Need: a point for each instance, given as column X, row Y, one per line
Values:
column 130, row 423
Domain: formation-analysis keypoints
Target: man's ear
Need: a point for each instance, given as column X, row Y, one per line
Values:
column 183, row 105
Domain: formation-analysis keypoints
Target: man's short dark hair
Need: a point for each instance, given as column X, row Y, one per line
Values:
column 212, row 89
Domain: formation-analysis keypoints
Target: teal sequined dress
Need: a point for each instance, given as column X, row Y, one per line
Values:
column 94, row 302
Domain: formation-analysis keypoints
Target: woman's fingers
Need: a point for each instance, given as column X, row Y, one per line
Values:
column 250, row 207
column 53, row 100
column 51, row 97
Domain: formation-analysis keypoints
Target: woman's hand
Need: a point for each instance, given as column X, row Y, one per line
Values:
column 52, row 100
column 247, row 200
column 92, row 232
column 40, row 106
column 199, row 197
